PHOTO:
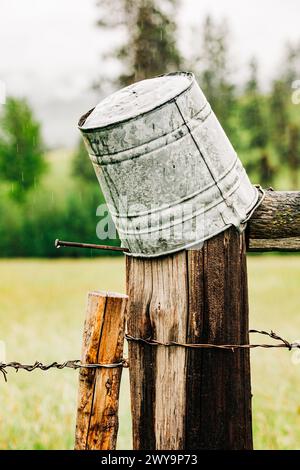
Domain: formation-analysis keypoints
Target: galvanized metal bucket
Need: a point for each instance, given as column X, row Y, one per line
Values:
column 168, row 172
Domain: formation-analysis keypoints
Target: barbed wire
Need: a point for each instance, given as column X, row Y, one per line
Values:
column 77, row 364
column 283, row 343
column 73, row 364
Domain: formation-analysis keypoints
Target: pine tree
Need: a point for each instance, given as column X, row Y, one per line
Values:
column 150, row 47
column 254, row 117
column 211, row 66
column 279, row 117
column 21, row 149
column 280, row 99
column 293, row 154
column 254, row 120
column 266, row 170
column 291, row 64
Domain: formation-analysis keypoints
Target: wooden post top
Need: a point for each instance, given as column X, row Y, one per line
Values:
column 109, row 294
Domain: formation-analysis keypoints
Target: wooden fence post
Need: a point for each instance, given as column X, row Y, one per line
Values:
column 183, row 398
column 98, row 396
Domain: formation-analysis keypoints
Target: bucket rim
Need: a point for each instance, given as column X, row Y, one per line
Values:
column 137, row 114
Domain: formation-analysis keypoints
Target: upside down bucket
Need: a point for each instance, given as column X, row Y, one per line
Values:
column 170, row 176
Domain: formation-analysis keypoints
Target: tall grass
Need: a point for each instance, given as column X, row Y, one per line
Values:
column 42, row 312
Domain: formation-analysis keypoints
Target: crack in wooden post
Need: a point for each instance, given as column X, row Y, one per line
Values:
column 196, row 399
column 98, row 395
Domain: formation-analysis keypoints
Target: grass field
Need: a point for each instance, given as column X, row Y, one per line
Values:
column 42, row 312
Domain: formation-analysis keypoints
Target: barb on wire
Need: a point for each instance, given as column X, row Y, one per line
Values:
column 273, row 335
column 283, row 343
column 74, row 364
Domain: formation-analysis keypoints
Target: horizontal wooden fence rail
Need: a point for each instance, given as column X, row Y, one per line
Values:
column 275, row 225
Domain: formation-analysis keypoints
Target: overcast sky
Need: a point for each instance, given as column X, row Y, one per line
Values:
column 50, row 49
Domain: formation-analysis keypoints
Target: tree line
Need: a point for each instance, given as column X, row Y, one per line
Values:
column 263, row 126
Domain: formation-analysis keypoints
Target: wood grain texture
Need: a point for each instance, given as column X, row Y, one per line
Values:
column 275, row 225
column 218, row 384
column 142, row 373
column 168, row 316
column 289, row 244
column 157, row 290
column 190, row 399
column 98, row 395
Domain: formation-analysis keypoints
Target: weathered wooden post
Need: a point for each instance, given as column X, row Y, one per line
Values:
column 191, row 398
column 180, row 199
column 98, row 395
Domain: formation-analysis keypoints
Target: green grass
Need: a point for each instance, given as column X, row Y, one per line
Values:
column 274, row 304
column 42, row 307
column 42, row 312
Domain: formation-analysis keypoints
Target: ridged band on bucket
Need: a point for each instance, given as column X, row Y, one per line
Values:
column 169, row 174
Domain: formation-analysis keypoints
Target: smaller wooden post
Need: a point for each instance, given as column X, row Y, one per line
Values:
column 98, row 397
